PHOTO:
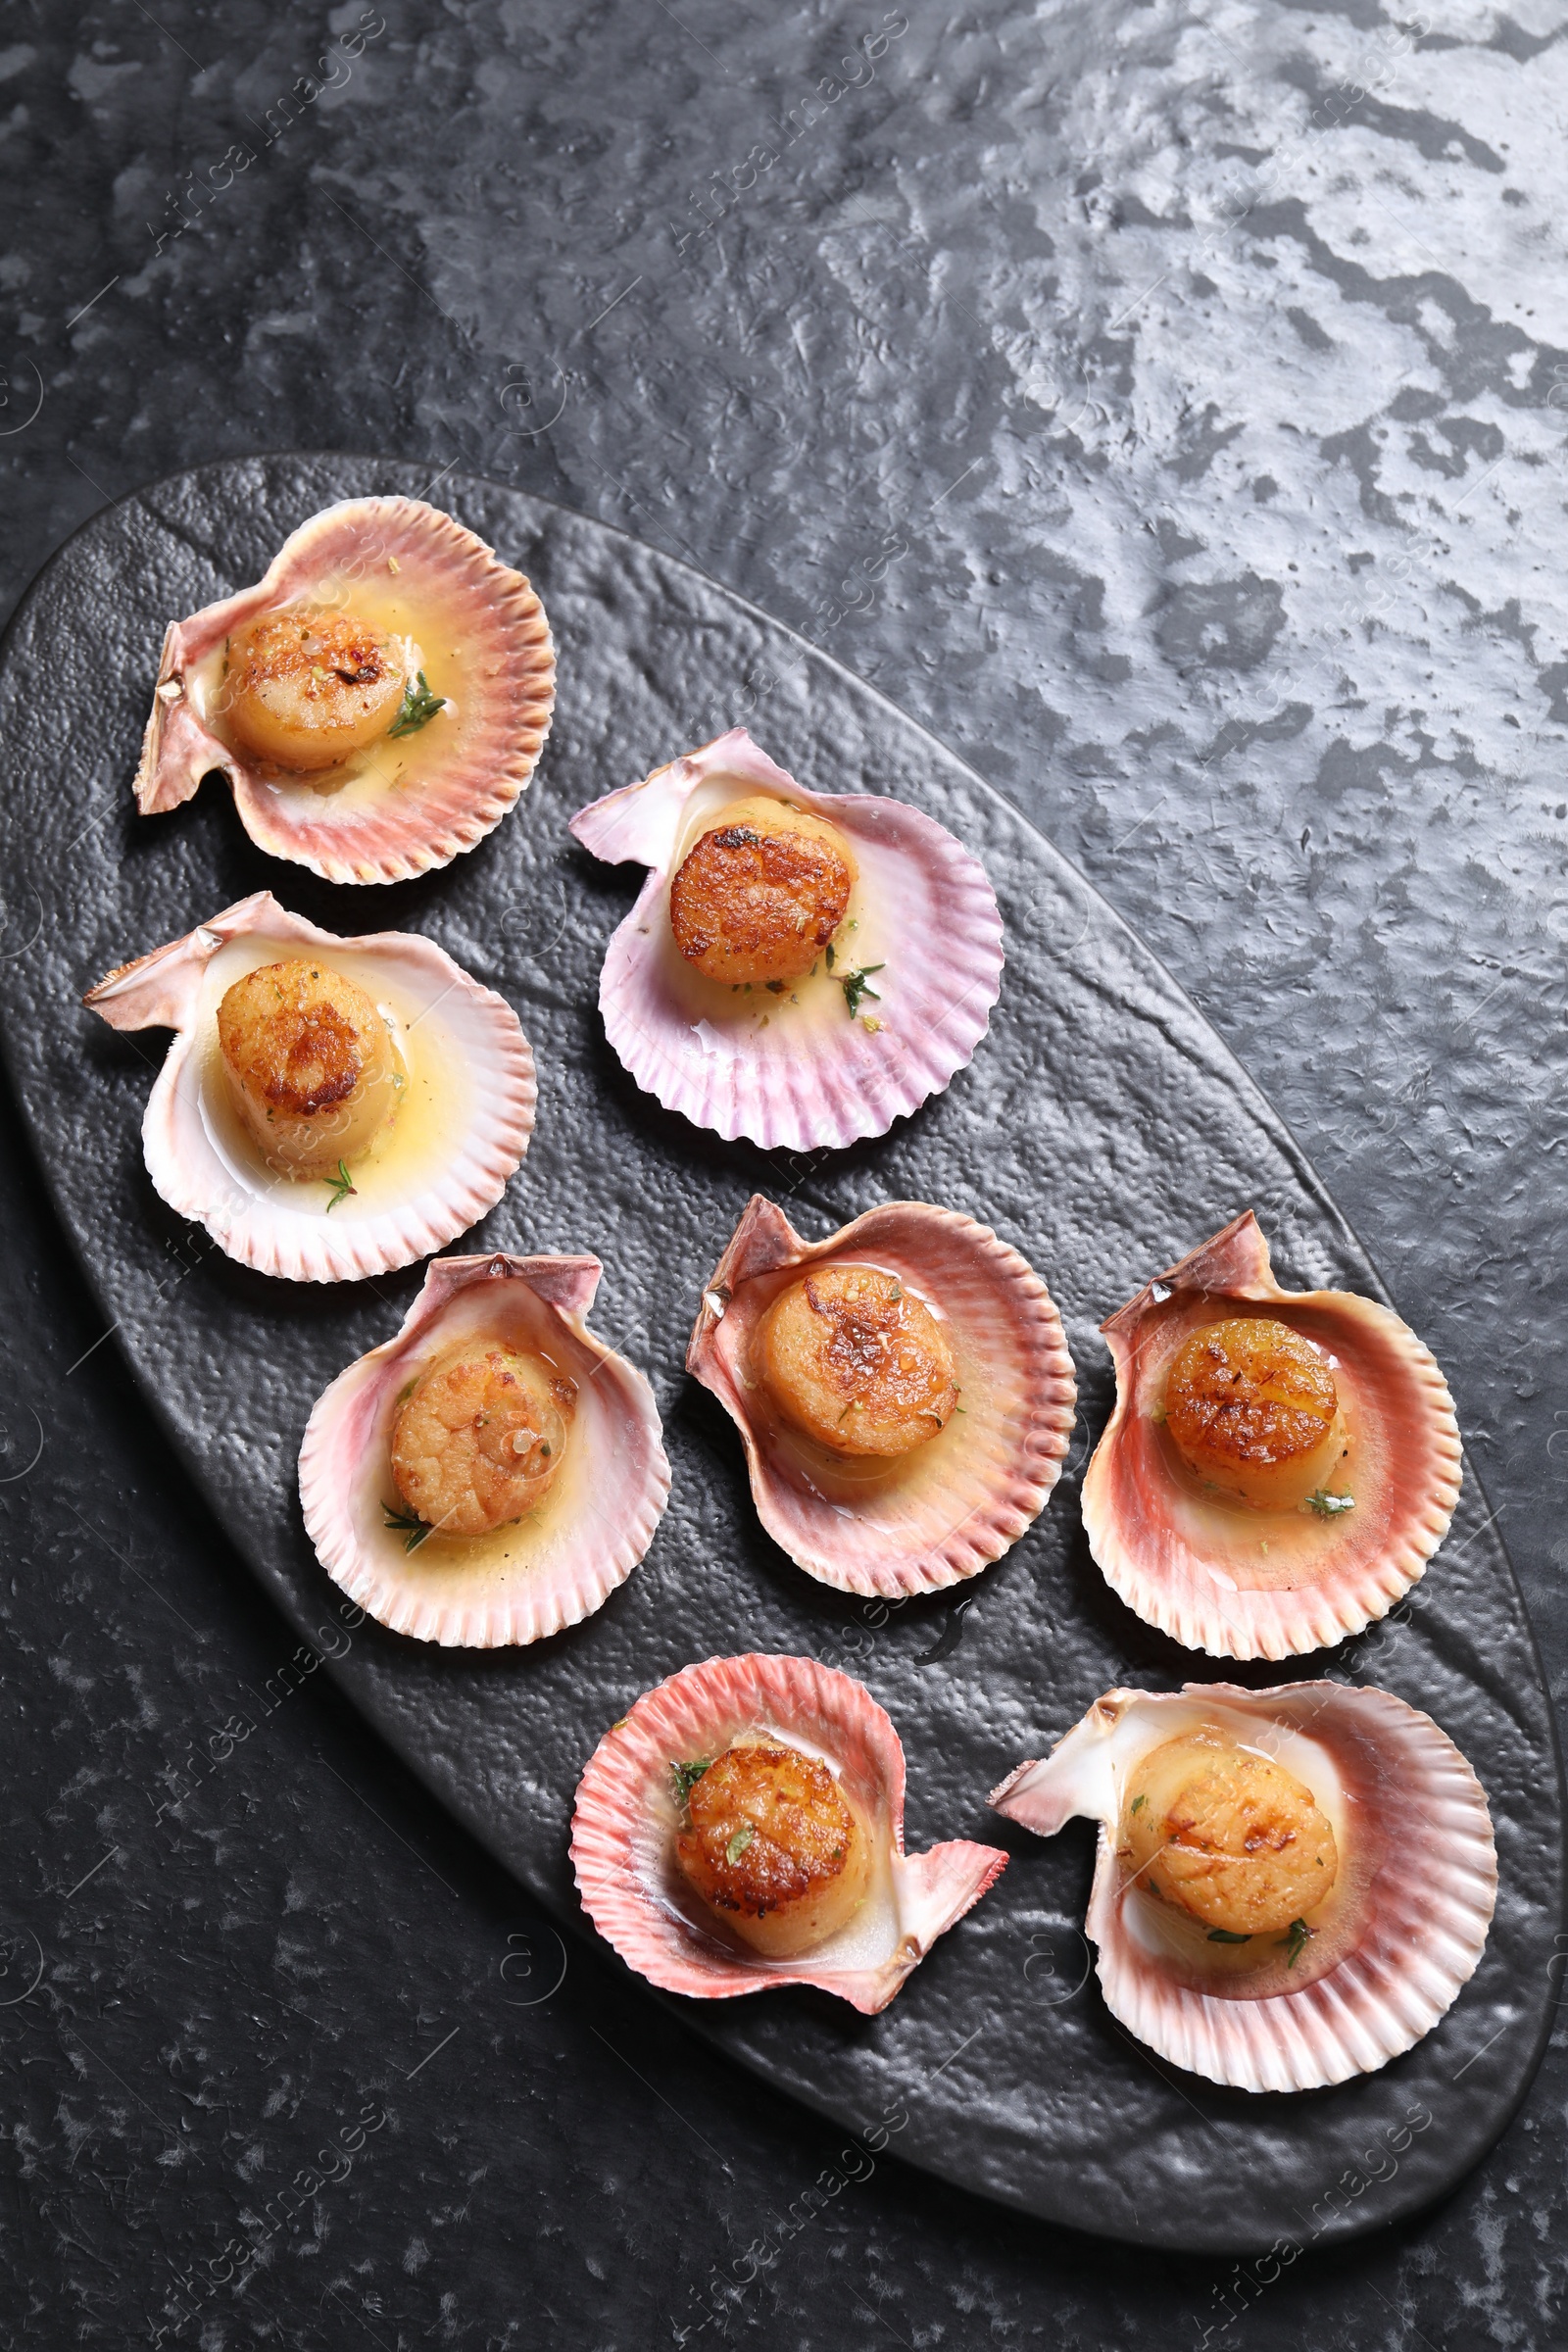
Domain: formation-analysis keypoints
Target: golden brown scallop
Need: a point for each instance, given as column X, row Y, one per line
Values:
column 311, row 1065
column 1228, row 1836
column 761, row 895
column 481, row 1438
column 776, row 1847
column 307, row 686
column 850, row 1356
column 1252, row 1406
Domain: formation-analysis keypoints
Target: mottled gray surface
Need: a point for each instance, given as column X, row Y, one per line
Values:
column 1232, row 304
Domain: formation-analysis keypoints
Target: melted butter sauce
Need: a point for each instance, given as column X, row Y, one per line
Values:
column 433, row 1108
column 409, row 622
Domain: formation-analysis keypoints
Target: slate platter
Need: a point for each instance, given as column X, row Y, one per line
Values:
column 1102, row 1129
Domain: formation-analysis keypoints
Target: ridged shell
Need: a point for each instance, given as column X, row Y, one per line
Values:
column 425, row 797
column 622, row 1835
column 472, row 1048
column 1197, row 1571
column 1414, row 1826
column 957, row 1503
column 814, row 1076
column 590, row 1532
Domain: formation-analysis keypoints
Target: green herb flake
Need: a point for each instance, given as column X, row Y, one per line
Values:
column 1295, row 1939
column 342, row 1185
column 686, row 1775
column 409, row 1524
column 1224, row 1936
column 830, row 955
column 1138, row 1804
column 419, row 707
column 1329, row 1507
column 739, row 1842
column 857, row 985
column 407, row 1390
column 775, row 988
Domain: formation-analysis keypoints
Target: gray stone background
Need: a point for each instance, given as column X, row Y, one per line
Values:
column 1161, row 402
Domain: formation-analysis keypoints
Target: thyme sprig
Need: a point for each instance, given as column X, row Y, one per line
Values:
column 342, row 1185
column 417, row 710
column 857, row 985
column 686, row 1775
column 1296, row 1938
column 409, row 1524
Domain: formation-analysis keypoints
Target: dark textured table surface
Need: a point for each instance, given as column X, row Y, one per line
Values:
column 1158, row 404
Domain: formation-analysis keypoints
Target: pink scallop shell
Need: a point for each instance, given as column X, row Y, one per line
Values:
column 607, row 1517
column 269, row 1223
column 1347, row 1570
column 813, row 1081
column 954, row 1510
column 1426, row 1847
column 624, row 1827
column 457, row 783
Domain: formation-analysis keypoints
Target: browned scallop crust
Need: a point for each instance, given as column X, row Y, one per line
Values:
column 1249, row 1391
column 858, row 1362
column 768, row 1828
column 1244, row 1847
column 480, row 1439
column 300, row 1036
column 307, row 686
column 753, row 904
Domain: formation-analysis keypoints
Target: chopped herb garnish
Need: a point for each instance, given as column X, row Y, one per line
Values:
column 407, row 1390
column 775, row 988
column 1224, row 1936
column 857, row 985
column 419, row 707
column 1329, row 1507
column 830, row 955
column 739, row 1842
column 1138, row 1804
column 543, row 1448
column 687, row 1774
column 1296, row 1938
column 408, row 1524
column 342, row 1185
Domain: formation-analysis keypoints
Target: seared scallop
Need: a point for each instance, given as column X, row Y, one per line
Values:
column 774, row 1845
column 801, row 967
column 856, row 1360
column 742, row 1826
column 307, row 686
column 480, row 1436
column 329, row 1109
column 377, row 702
column 1228, row 1836
column 761, row 893
column 1280, row 1465
column 1290, row 1886
column 310, row 1063
column 493, row 1471
column 903, row 1389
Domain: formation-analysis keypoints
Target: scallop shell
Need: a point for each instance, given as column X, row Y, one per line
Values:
column 955, row 1504
column 623, row 1828
column 409, row 805
column 813, row 1075
column 1409, row 1816
column 1197, row 1571
column 414, row 1198
column 589, row 1532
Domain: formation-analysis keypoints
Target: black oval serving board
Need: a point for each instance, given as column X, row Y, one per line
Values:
column 1103, row 1128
